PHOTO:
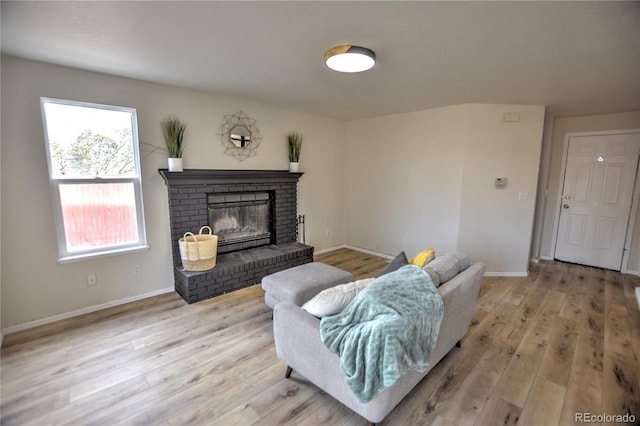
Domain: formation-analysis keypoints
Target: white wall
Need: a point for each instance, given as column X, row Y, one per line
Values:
column 1, row 332
column 543, row 184
column 496, row 224
column 404, row 178
column 426, row 178
column 34, row 284
column 591, row 123
column 435, row 166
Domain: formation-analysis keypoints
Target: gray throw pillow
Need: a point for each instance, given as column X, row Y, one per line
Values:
column 398, row 262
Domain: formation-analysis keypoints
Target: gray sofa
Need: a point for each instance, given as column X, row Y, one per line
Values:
column 298, row 344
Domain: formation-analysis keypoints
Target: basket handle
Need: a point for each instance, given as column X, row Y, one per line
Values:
column 206, row 227
column 195, row 240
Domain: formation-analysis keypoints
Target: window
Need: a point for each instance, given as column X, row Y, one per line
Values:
column 94, row 168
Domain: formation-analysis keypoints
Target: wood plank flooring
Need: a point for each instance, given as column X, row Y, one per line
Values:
column 564, row 340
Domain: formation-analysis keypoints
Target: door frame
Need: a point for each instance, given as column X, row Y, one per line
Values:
column 634, row 205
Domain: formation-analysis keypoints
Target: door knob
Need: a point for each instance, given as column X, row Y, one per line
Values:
column 566, row 206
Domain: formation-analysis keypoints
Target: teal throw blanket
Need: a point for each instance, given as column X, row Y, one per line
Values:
column 389, row 328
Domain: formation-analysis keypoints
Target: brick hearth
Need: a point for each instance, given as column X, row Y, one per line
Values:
column 188, row 192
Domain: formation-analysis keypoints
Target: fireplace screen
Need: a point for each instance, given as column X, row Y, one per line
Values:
column 241, row 220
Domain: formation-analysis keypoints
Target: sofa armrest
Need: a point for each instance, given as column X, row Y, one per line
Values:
column 459, row 296
column 298, row 344
column 294, row 331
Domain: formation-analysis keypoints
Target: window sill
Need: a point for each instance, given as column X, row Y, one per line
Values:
column 104, row 253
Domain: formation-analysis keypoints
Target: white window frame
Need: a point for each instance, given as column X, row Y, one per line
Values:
column 64, row 255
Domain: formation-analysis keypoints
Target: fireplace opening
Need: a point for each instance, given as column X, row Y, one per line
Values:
column 241, row 220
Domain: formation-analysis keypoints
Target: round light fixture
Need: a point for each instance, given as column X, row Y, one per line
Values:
column 350, row 58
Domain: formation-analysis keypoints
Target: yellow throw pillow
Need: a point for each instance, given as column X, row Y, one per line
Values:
column 424, row 257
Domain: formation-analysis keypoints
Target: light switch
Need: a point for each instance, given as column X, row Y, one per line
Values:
column 511, row 117
column 523, row 195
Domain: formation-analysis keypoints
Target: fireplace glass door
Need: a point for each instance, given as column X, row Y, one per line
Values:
column 240, row 220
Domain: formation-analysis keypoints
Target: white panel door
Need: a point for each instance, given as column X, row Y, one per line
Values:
column 596, row 199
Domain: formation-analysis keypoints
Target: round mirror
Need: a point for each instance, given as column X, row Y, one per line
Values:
column 240, row 136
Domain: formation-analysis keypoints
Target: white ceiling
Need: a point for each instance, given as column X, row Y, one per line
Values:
column 575, row 57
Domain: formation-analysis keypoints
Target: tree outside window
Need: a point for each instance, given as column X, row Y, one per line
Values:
column 95, row 178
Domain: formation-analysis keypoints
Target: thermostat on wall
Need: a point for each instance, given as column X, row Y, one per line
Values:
column 501, row 183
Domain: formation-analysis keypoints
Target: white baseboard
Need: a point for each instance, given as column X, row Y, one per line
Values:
column 386, row 256
column 87, row 310
column 534, row 260
column 373, row 253
column 330, row 249
column 361, row 250
column 546, row 258
column 631, row 272
column 638, row 296
column 506, row 274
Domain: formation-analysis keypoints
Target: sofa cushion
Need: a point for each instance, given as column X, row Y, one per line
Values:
column 333, row 300
column 463, row 259
column 300, row 283
column 423, row 258
column 446, row 267
column 397, row 263
column 434, row 276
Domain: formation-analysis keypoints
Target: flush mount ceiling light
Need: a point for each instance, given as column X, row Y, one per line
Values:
column 350, row 58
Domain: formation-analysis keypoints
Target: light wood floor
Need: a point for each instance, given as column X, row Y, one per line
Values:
column 564, row 340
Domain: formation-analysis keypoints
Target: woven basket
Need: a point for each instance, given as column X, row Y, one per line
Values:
column 198, row 252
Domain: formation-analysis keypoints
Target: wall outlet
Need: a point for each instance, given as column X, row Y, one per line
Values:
column 92, row 279
column 136, row 270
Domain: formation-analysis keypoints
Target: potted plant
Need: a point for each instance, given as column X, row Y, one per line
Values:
column 295, row 144
column 173, row 132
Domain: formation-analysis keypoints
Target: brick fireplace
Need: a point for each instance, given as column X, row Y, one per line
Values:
column 194, row 196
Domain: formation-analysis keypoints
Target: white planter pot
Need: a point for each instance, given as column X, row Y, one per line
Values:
column 294, row 167
column 175, row 164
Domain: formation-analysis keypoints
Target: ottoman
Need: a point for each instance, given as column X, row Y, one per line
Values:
column 301, row 283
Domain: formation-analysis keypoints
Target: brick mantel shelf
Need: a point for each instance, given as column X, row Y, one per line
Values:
column 188, row 211
column 221, row 177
